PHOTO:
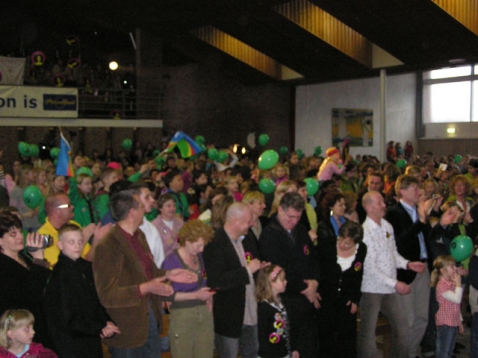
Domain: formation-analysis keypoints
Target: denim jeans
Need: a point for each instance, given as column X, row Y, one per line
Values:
column 150, row 349
column 446, row 337
column 247, row 344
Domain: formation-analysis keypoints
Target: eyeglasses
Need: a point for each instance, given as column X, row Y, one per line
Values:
column 293, row 217
column 64, row 206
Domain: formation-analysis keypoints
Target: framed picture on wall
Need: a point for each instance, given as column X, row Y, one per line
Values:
column 353, row 124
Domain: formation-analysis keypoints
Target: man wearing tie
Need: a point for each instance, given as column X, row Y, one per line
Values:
column 411, row 228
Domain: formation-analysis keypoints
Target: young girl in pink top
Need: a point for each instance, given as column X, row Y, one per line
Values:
column 448, row 294
column 330, row 165
column 16, row 335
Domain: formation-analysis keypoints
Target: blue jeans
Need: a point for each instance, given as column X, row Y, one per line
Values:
column 474, row 336
column 446, row 337
column 247, row 344
column 150, row 349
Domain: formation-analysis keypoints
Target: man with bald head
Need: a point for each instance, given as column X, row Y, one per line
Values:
column 380, row 287
column 234, row 308
column 59, row 212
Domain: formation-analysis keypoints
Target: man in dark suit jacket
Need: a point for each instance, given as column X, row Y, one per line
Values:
column 235, row 307
column 286, row 243
column 411, row 228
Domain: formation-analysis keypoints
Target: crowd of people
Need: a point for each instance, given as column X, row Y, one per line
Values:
column 127, row 240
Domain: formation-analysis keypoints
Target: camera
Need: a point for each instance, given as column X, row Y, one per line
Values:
column 46, row 240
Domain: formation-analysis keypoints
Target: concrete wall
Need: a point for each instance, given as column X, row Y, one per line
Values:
column 314, row 105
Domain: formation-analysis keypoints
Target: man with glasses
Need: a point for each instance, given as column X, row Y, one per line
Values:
column 286, row 243
column 59, row 212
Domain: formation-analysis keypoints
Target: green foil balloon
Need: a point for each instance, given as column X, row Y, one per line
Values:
column 312, row 186
column 32, row 196
column 200, row 140
column 267, row 186
column 401, row 163
column 54, row 152
column 283, row 150
column 461, row 247
column 263, row 139
column 268, row 159
column 127, row 144
column 222, row 156
column 212, row 153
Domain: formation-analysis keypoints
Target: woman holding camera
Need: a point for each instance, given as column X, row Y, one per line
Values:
column 23, row 275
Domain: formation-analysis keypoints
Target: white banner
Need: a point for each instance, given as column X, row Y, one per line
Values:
column 12, row 70
column 44, row 102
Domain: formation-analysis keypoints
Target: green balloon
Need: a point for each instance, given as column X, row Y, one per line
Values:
column 127, row 144
column 401, row 163
column 312, row 186
column 34, row 150
column 24, row 149
column 299, row 153
column 268, row 159
column 212, row 153
column 84, row 170
column 222, row 156
column 263, row 139
column 32, row 196
column 458, row 158
column 318, row 150
column 461, row 247
column 200, row 140
column 156, row 153
column 283, row 150
column 54, row 152
column 267, row 186
column 159, row 161
column 203, row 148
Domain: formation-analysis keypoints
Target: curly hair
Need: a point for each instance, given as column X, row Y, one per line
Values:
column 456, row 179
column 193, row 230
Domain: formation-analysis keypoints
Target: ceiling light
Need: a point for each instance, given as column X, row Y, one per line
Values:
column 113, row 65
column 451, row 130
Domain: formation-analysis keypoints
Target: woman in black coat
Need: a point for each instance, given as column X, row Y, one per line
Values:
column 23, row 276
column 333, row 210
column 342, row 264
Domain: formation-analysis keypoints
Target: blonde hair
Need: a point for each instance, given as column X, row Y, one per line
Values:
column 252, row 197
column 263, row 282
column 456, row 179
column 431, row 181
column 12, row 320
column 277, row 166
column 22, row 180
column 440, row 262
column 79, row 179
column 281, row 189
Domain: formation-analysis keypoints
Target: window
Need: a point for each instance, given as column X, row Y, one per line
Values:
column 451, row 95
